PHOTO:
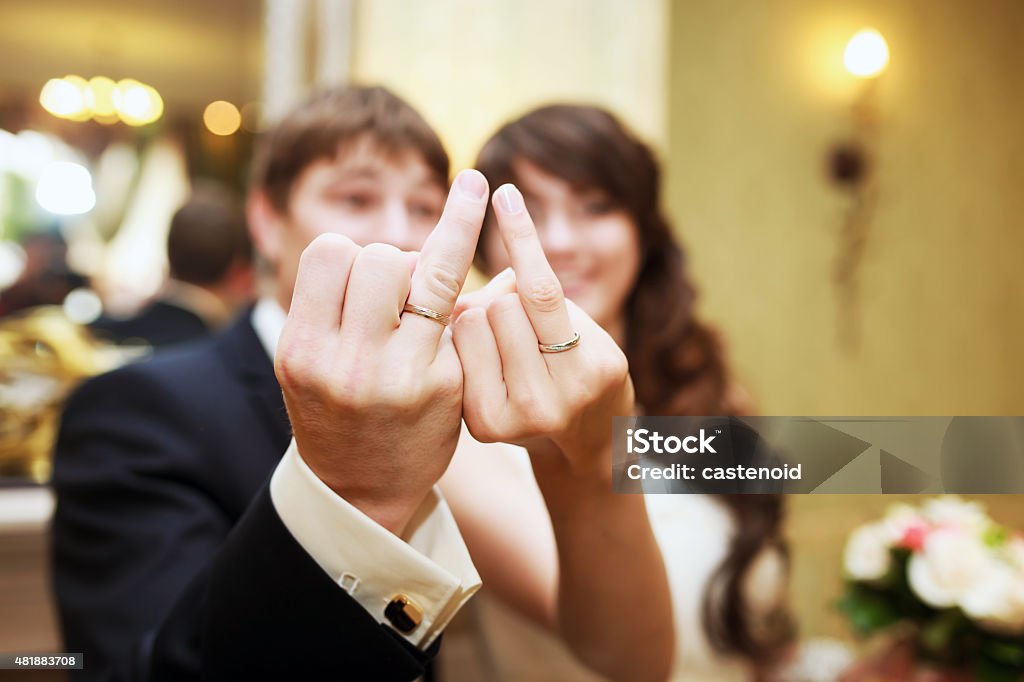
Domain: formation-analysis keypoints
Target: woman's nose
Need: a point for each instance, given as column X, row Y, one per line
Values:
column 557, row 235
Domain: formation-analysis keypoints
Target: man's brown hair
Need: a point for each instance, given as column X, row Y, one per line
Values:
column 328, row 120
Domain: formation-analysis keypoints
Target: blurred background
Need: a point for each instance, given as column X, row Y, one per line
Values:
column 851, row 201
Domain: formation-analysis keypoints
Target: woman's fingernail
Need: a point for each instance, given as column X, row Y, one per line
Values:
column 510, row 199
column 472, row 184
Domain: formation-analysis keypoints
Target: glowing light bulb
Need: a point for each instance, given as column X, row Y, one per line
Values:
column 222, row 118
column 100, row 97
column 137, row 104
column 65, row 188
column 65, row 98
column 867, row 54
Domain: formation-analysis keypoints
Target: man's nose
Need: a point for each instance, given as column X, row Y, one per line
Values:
column 398, row 228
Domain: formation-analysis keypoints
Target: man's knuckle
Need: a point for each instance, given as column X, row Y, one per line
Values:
column 326, row 248
column 442, row 280
column 380, row 254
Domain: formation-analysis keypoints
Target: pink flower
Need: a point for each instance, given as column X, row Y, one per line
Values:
column 913, row 537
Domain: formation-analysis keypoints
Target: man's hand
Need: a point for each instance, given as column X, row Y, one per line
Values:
column 557, row 405
column 375, row 396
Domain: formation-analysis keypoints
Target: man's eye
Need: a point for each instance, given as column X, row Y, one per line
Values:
column 352, row 201
column 425, row 210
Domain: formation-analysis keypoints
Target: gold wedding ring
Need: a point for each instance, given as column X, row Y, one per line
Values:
column 561, row 347
column 440, row 318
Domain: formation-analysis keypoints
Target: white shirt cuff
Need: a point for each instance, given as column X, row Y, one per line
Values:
column 430, row 564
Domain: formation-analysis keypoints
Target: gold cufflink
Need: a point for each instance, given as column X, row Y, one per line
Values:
column 403, row 613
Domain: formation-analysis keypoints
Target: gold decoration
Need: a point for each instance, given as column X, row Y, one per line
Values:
column 43, row 357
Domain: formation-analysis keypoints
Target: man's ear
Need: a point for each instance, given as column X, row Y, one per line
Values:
column 265, row 226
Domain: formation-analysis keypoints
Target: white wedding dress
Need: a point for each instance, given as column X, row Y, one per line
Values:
column 693, row 532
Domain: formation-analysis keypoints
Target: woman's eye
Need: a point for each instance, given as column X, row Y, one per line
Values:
column 597, row 207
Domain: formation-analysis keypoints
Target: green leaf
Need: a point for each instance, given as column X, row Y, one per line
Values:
column 996, row 536
column 988, row 670
column 1010, row 653
column 939, row 635
column 867, row 610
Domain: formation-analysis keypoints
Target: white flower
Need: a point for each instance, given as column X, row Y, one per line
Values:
column 950, row 564
column 997, row 601
column 867, row 553
column 1015, row 551
column 952, row 511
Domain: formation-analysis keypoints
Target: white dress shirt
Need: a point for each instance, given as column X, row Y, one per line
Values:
column 430, row 564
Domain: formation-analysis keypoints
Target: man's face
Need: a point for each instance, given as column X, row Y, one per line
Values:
column 363, row 194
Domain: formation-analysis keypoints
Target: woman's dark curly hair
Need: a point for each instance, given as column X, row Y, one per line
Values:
column 677, row 363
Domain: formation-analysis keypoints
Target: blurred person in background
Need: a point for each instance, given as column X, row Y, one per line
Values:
column 592, row 189
column 173, row 556
column 209, row 255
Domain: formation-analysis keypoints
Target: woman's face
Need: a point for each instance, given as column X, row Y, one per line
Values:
column 591, row 243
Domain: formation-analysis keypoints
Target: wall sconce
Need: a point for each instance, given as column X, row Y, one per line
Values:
column 850, row 166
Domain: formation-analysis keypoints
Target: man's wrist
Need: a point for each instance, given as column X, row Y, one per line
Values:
column 393, row 514
column 388, row 503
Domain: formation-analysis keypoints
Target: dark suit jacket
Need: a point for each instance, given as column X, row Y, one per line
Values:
column 161, row 323
column 169, row 559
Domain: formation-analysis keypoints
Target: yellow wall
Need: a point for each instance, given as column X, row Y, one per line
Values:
column 757, row 95
column 468, row 66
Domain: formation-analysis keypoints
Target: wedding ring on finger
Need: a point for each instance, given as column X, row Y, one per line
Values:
column 560, row 347
column 440, row 318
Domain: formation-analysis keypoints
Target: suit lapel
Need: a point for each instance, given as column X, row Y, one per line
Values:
column 249, row 364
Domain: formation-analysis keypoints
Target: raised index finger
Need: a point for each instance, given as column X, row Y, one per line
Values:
column 447, row 255
column 539, row 288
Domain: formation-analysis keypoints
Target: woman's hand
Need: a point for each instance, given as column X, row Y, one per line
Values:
column 558, row 405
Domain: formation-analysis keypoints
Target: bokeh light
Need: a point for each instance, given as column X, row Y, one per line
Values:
column 99, row 97
column 27, row 153
column 65, row 188
column 222, row 118
column 102, row 100
column 12, row 262
column 867, row 54
column 83, row 305
column 137, row 104
column 66, row 98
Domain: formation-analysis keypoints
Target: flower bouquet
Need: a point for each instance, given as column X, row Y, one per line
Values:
column 951, row 576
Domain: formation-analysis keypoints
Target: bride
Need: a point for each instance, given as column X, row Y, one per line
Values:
column 592, row 189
